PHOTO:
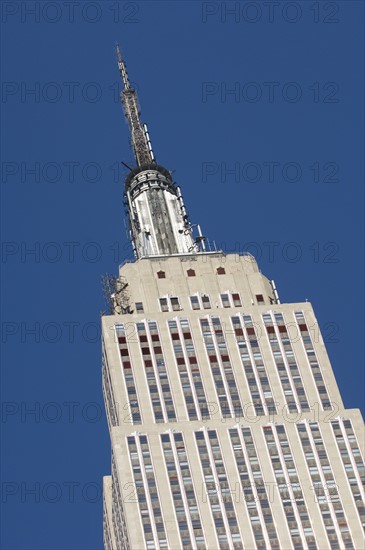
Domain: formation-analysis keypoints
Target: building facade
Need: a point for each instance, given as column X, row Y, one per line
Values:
column 226, row 423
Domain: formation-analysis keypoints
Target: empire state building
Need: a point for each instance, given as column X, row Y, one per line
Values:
column 227, row 427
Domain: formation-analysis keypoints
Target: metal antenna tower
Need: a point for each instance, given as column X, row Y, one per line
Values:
column 115, row 294
column 140, row 139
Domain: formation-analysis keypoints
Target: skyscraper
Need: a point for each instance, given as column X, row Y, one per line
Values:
column 227, row 426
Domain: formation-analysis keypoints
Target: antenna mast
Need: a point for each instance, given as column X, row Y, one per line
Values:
column 140, row 139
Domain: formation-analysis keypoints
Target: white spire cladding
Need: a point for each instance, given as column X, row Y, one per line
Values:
column 159, row 223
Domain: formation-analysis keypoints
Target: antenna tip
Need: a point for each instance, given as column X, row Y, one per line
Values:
column 119, row 53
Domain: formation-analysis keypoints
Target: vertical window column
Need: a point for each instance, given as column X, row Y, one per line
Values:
column 248, row 367
column 290, row 358
column 221, row 347
column 192, row 363
column 324, row 486
column 219, row 380
column 118, row 517
column 148, row 498
column 181, row 484
column 189, row 372
column 218, row 490
column 254, row 491
column 352, row 462
column 222, row 370
column 185, row 376
column 286, row 381
column 312, row 360
column 160, row 365
column 290, row 491
column 155, row 370
column 121, row 338
column 251, row 337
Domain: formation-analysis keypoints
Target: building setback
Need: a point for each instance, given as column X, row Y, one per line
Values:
column 226, row 423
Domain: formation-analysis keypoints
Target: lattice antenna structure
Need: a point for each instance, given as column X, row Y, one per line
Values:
column 139, row 133
column 116, row 294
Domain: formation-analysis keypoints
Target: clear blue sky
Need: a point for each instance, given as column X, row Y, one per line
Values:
column 294, row 124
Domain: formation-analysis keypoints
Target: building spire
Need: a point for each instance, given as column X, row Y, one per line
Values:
column 139, row 134
column 158, row 221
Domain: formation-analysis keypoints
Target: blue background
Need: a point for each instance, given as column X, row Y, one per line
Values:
column 171, row 49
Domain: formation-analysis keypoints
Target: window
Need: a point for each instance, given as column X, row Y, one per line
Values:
column 175, row 303
column 260, row 299
column 170, row 303
column 236, row 300
column 200, row 301
column 161, row 274
column 164, row 304
column 225, row 300
column 139, row 307
column 191, row 273
column 221, row 271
